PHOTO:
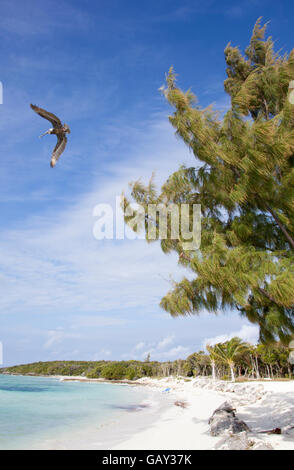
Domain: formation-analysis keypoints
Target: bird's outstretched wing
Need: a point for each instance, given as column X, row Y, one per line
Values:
column 55, row 121
column 59, row 148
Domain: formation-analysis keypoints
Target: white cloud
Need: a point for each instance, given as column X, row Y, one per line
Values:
column 41, row 19
column 160, row 350
column 52, row 262
column 165, row 341
column 105, row 352
column 57, row 336
column 248, row 333
column 96, row 321
column 178, row 352
column 101, row 355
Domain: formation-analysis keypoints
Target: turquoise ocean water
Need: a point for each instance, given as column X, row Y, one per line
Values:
column 38, row 410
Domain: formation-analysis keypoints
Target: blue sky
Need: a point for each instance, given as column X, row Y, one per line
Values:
column 98, row 65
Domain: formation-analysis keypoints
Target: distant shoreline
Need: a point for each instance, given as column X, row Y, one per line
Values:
column 140, row 381
column 69, row 378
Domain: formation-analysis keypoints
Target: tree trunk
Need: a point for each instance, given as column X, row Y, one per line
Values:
column 213, row 370
column 257, row 368
column 232, row 372
column 268, row 372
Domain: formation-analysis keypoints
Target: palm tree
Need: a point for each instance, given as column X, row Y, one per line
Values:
column 212, row 360
column 227, row 353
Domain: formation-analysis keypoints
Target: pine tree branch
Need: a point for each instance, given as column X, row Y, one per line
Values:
column 261, row 290
column 266, row 110
column 182, row 255
column 282, row 227
column 272, row 212
column 268, row 296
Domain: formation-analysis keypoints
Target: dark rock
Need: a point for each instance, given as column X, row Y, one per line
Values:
column 224, row 419
column 238, row 426
column 225, row 407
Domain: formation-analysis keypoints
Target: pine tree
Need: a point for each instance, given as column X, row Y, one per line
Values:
column 244, row 181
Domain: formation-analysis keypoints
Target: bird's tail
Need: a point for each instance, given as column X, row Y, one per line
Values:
column 42, row 135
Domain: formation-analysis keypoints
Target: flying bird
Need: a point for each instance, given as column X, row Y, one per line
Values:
column 59, row 129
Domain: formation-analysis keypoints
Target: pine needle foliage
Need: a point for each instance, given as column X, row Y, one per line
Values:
column 244, row 181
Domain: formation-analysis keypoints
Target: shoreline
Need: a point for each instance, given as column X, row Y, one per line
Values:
column 124, row 425
column 78, row 378
column 263, row 405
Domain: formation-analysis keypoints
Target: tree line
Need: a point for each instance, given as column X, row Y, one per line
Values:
column 230, row 360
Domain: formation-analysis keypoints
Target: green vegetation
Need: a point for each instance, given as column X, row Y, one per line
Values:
column 233, row 359
column 247, row 361
column 244, row 181
column 227, row 353
column 110, row 370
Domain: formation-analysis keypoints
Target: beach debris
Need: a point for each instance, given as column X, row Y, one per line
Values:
column 223, row 419
column 168, row 389
column 272, row 431
column 241, row 441
column 59, row 129
column 181, row 404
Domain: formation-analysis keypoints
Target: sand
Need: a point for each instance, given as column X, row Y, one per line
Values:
column 262, row 405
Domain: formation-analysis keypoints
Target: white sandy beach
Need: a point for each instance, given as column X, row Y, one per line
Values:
column 262, row 405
